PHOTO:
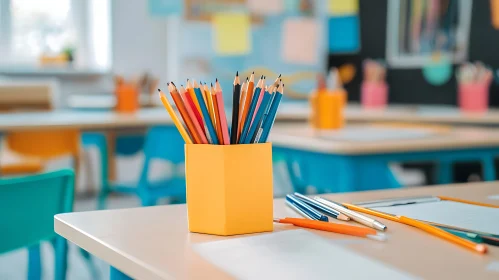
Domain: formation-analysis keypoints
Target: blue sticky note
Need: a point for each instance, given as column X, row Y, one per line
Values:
column 163, row 8
column 344, row 34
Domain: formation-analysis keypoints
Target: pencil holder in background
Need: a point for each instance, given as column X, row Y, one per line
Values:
column 374, row 94
column 473, row 97
column 327, row 109
column 229, row 188
column 127, row 97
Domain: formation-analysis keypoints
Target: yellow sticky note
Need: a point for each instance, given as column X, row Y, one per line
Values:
column 231, row 33
column 343, row 7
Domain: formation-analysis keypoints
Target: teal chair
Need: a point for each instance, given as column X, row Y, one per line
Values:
column 27, row 208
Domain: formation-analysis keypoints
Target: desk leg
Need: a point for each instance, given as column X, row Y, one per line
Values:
column 115, row 274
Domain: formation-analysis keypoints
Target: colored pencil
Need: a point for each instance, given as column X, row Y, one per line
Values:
column 251, row 110
column 194, row 99
column 333, row 227
column 259, row 114
column 209, row 100
column 260, row 98
column 247, row 101
column 177, row 99
column 190, row 108
column 270, row 119
column 244, row 91
column 221, row 111
column 174, row 117
column 217, row 115
column 265, row 114
column 235, row 109
column 208, row 125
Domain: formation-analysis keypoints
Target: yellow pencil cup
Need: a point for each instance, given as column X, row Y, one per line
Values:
column 229, row 188
column 327, row 109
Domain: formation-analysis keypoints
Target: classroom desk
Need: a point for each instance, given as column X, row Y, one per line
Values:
column 342, row 165
column 399, row 113
column 154, row 243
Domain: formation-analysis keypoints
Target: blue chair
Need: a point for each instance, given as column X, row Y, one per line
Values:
column 27, row 208
column 161, row 142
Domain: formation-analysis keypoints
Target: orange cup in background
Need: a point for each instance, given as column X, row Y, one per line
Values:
column 127, row 98
column 327, row 109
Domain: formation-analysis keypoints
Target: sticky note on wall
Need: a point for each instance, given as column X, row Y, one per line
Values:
column 343, row 34
column 343, row 7
column 231, row 33
column 300, row 41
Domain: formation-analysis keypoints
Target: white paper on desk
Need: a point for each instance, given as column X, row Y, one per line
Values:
column 368, row 134
column 462, row 215
column 292, row 254
column 300, row 41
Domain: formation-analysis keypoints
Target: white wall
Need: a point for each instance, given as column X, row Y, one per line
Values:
column 139, row 41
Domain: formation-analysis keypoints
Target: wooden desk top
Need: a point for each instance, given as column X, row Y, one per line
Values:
column 398, row 113
column 154, row 243
column 305, row 138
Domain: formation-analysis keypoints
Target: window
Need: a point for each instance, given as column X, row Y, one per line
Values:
column 30, row 28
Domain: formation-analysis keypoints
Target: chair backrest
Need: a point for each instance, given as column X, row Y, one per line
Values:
column 28, row 205
column 164, row 142
column 44, row 144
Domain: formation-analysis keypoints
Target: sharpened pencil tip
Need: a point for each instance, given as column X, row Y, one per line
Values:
column 173, row 84
column 261, row 77
column 237, row 73
column 279, row 75
column 216, row 80
column 247, row 79
column 211, row 84
column 159, row 89
column 253, row 72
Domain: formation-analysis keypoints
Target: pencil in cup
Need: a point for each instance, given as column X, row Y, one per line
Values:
column 249, row 116
column 174, row 117
column 189, row 106
column 253, row 127
column 268, row 122
column 223, row 118
column 177, row 99
column 333, row 227
column 208, row 125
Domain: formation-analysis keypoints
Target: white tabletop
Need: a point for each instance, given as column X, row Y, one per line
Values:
column 154, row 243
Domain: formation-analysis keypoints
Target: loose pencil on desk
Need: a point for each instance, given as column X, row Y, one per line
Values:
column 177, row 99
column 190, row 108
column 221, row 111
column 269, row 121
column 236, row 95
column 251, row 110
column 333, row 227
column 247, row 101
column 174, row 117
column 216, row 116
column 208, row 125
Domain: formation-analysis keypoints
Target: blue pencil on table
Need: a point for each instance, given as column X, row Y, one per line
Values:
column 251, row 111
column 316, row 215
column 258, row 116
column 264, row 131
column 210, row 130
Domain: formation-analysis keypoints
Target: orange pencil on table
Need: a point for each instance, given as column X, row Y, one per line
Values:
column 190, row 108
column 480, row 248
column 183, row 112
column 221, row 112
column 174, row 117
column 216, row 117
column 333, row 227
column 247, row 101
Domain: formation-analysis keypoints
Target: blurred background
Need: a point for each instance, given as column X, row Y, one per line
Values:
column 78, row 85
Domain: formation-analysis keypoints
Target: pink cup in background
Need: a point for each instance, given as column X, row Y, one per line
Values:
column 374, row 95
column 473, row 97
